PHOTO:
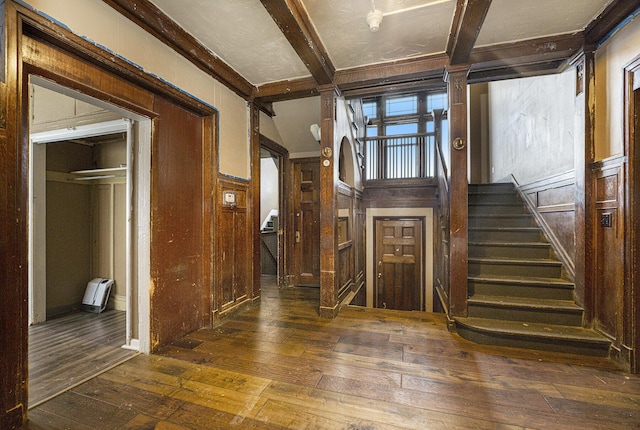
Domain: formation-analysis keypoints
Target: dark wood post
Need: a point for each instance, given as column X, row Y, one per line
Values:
column 456, row 78
column 328, row 203
column 583, row 194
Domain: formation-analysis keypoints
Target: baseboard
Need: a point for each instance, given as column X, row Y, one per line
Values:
column 117, row 302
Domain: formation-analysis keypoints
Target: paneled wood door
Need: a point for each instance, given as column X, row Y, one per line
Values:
column 306, row 248
column 398, row 252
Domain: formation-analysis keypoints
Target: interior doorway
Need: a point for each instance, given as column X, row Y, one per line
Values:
column 88, row 195
column 273, row 165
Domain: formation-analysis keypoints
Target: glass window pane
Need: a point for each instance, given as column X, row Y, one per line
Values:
column 401, row 105
column 370, row 109
column 395, row 129
column 436, row 101
column 372, row 130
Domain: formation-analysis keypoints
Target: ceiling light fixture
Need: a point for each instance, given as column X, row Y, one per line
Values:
column 374, row 17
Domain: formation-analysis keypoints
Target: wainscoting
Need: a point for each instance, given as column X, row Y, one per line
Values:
column 553, row 204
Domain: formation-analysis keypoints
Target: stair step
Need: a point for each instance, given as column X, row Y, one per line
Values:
column 526, row 309
column 502, row 187
column 515, row 267
column 543, row 288
column 496, row 208
column 548, row 337
column 505, row 234
column 522, row 250
column 499, row 220
column 492, row 197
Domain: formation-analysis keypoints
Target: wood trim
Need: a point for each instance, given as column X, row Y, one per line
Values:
column 613, row 15
column 394, row 72
column 146, row 15
column 287, row 90
column 284, row 204
column 254, row 196
column 292, row 18
column 632, row 211
column 472, row 15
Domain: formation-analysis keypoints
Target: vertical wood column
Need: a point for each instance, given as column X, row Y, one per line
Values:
column 255, row 199
column 584, row 187
column 13, row 227
column 456, row 78
column 328, row 204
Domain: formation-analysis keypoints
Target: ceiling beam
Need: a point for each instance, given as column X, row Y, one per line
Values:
column 287, row 90
column 393, row 72
column 540, row 50
column 296, row 26
column 617, row 12
column 146, row 15
column 467, row 22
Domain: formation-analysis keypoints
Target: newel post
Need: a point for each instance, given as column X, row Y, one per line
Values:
column 328, row 203
column 456, row 78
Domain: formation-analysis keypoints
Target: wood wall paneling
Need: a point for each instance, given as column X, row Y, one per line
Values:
column 553, row 201
column 609, row 248
column 234, row 259
column 176, row 217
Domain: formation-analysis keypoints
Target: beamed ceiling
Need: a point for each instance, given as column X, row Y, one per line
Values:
column 284, row 49
column 275, row 51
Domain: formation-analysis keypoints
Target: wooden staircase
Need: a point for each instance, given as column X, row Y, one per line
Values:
column 519, row 292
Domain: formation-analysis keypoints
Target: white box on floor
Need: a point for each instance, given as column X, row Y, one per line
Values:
column 96, row 295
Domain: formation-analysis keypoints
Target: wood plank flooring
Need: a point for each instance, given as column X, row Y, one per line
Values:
column 69, row 350
column 278, row 365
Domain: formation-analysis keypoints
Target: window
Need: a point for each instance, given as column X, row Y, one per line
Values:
column 404, row 105
column 401, row 134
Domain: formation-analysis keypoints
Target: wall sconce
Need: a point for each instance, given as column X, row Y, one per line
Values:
column 315, row 131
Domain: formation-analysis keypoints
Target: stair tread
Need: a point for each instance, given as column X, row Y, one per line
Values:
column 550, row 331
column 528, row 302
column 525, row 261
column 493, row 228
column 514, row 244
column 522, row 280
column 522, row 215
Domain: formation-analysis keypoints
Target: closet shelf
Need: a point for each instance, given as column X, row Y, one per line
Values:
column 104, row 173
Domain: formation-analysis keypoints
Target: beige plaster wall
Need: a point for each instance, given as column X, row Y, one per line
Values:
column 611, row 59
column 98, row 22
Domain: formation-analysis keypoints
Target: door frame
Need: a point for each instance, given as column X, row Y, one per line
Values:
column 631, row 312
column 426, row 214
column 283, row 191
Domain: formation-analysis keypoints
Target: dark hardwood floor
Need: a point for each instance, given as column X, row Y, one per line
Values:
column 278, row 365
column 66, row 351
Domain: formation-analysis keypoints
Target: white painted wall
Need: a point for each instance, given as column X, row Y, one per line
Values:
column 268, row 187
column 532, row 126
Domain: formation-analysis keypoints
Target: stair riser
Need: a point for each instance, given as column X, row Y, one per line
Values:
column 492, row 188
column 511, row 290
column 496, row 209
column 521, row 252
column 488, row 221
column 520, row 270
column 505, row 235
column 494, row 198
column 528, row 342
column 525, row 315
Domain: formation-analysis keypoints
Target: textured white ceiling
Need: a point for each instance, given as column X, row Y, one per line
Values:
column 242, row 33
column 515, row 20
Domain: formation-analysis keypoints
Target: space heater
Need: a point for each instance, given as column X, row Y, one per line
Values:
column 96, row 295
